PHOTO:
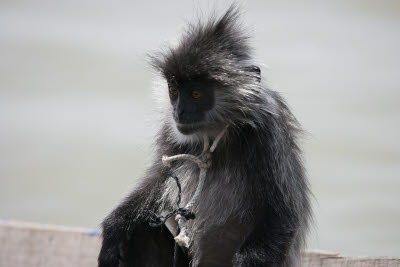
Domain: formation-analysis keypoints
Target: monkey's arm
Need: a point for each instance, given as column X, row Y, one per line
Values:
column 277, row 194
column 130, row 216
column 268, row 243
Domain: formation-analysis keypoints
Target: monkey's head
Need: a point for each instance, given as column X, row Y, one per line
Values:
column 211, row 79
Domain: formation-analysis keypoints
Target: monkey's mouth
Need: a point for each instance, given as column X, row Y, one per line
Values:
column 189, row 128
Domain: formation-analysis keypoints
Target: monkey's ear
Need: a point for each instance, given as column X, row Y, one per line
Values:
column 256, row 70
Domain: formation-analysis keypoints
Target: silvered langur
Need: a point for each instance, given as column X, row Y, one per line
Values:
column 253, row 208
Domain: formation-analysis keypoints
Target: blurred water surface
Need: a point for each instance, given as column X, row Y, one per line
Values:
column 76, row 111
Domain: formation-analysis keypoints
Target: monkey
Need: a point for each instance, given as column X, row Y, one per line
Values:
column 253, row 208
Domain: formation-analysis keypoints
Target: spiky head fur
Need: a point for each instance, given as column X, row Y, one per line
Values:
column 218, row 51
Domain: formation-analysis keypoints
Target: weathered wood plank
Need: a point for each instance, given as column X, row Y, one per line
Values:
column 326, row 259
column 34, row 245
column 23, row 245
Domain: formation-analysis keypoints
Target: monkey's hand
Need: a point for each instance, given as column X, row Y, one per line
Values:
column 249, row 259
column 115, row 242
column 267, row 245
column 128, row 224
column 253, row 259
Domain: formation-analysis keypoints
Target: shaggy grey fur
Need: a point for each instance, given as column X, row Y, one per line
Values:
column 254, row 209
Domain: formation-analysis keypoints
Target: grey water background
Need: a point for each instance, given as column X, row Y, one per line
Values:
column 76, row 111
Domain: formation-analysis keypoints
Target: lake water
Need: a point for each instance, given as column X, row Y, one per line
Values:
column 76, row 108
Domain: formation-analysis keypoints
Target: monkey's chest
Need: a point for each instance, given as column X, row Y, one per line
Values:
column 183, row 189
column 217, row 231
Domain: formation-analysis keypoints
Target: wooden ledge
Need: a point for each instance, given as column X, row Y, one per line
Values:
column 37, row 245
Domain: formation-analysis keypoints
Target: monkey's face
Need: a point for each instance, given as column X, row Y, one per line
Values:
column 191, row 100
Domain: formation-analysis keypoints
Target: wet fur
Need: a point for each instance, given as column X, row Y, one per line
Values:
column 254, row 208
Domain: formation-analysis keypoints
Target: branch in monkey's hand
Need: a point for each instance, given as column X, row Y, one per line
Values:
column 158, row 220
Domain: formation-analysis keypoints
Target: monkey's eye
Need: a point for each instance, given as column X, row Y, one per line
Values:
column 195, row 94
column 173, row 91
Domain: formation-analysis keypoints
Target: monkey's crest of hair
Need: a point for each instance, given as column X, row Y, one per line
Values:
column 217, row 49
